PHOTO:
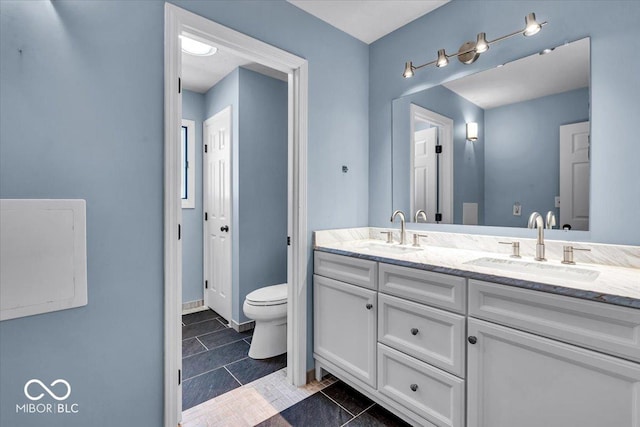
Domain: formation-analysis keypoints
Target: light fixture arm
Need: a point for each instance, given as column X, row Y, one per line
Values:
column 529, row 20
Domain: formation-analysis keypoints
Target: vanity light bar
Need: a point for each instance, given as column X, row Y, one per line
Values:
column 470, row 51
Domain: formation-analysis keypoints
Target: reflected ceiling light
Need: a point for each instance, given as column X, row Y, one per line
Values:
column 196, row 47
column 470, row 51
column 472, row 131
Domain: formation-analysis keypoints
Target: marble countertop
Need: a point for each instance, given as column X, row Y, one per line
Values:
column 613, row 284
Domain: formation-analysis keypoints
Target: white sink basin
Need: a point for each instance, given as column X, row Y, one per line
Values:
column 538, row 268
column 391, row 248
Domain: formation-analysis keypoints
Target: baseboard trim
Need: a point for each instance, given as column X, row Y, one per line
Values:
column 242, row 327
column 193, row 306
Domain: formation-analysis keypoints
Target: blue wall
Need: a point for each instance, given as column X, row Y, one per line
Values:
column 193, row 109
column 527, row 130
column 259, row 174
column 263, row 162
column 468, row 157
column 82, row 117
column 615, row 89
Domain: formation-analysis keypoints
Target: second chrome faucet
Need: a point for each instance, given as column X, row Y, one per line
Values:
column 536, row 221
column 402, row 225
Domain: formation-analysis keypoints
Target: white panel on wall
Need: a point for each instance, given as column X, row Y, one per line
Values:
column 43, row 256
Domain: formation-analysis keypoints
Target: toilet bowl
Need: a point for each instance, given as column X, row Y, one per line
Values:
column 268, row 308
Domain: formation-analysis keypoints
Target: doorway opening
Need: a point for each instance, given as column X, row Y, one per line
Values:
column 179, row 22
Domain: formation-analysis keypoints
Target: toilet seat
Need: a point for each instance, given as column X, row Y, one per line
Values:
column 269, row 295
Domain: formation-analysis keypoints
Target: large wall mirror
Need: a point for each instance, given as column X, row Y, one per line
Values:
column 493, row 147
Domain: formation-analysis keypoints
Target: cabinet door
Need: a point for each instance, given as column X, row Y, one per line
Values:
column 345, row 327
column 518, row 379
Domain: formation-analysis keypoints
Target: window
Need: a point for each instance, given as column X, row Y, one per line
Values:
column 188, row 187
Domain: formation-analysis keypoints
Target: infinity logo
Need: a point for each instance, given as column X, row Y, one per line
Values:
column 51, row 393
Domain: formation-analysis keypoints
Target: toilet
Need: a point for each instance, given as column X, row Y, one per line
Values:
column 268, row 307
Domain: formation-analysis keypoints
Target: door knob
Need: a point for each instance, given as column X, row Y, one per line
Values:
column 225, row 228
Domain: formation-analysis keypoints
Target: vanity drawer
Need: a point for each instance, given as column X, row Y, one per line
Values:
column 429, row 334
column 603, row 327
column 436, row 289
column 429, row 392
column 356, row 271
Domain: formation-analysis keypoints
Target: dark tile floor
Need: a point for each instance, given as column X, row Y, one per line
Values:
column 336, row 405
column 215, row 358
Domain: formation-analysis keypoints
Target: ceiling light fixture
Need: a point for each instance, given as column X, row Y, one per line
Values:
column 196, row 47
column 470, row 51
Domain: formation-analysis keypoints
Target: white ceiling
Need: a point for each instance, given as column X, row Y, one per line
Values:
column 200, row 73
column 368, row 20
column 565, row 68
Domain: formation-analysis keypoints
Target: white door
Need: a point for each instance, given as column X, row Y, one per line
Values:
column 424, row 172
column 574, row 176
column 217, row 212
column 516, row 379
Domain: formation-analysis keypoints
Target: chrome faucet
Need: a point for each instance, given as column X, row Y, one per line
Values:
column 402, row 232
column 420, row 213
column 535, row 221
column 551, row 220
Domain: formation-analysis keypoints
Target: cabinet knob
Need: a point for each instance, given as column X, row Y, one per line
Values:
column 414, row 331
column 413, row 387
column 369, row 306
column 472, row 340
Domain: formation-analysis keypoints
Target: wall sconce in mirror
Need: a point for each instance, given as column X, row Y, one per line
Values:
column 470, row 51
column 472, row 131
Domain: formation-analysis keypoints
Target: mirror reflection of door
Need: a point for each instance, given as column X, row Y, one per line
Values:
column 574, row 176
column 424, row 167
column 431, row 172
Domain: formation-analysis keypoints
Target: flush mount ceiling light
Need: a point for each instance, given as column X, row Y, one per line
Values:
column 196, row 48
column 470, row 51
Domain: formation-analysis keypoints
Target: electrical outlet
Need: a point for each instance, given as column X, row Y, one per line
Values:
column 517, row 209
column 557, row 201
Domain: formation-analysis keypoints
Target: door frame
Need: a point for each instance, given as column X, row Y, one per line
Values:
column 178, row 20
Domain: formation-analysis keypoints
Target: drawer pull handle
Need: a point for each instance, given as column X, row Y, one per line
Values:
column 472, row 340
column 414, row 331
column 413, row 387
column 369, row 306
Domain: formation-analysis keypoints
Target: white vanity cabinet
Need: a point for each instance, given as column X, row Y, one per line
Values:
column 345, row 315
column 374, row 327
column 441, row 350
column 518, row 378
